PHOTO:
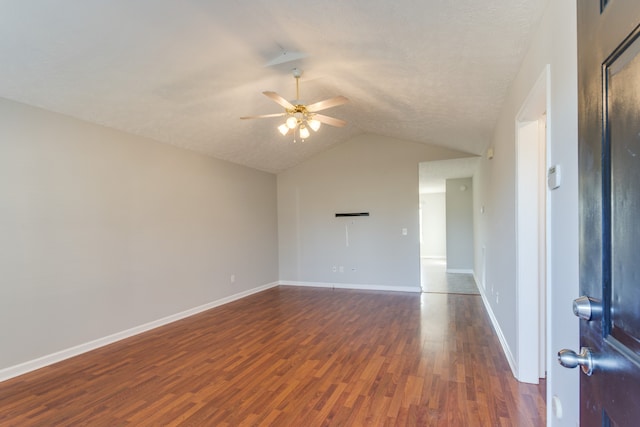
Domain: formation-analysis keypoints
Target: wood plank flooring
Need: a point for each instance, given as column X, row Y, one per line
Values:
column 291, row 356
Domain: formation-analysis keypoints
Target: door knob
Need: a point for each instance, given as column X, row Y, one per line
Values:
column 587, row 308
column 569, row 359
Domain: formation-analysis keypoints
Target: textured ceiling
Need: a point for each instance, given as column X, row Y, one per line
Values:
column 183, row 72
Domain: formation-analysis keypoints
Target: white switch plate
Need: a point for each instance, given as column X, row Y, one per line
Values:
column 404, row 231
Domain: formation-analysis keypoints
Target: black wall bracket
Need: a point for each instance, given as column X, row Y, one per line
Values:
column 340, row 215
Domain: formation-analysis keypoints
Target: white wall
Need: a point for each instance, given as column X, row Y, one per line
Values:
column 103, row 231
column 554, row 44
column 459, row 225
column 371, row 174
column 433, row 225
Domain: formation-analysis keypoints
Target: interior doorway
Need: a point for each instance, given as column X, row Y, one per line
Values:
column 531, row 233
column 446, row 225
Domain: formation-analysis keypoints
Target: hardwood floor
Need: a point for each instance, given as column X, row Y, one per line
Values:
column 292, row 356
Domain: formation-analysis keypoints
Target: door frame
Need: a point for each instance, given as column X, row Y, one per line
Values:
column 532, row 233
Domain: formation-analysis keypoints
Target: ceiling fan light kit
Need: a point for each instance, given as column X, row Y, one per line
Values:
column 283, row 128
column 304, row 132
column 299, row 118
column 292, row 122
column 314, row 124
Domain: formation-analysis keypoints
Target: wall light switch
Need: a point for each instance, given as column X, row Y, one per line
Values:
column 404, row 231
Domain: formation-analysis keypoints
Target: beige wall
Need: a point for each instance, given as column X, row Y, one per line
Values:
column 554, row 45
column 102, row 231
column 371, row 174
column 459, row 225
column 434, row 225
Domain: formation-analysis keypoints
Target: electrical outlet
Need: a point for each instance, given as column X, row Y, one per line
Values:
column 334, row 268
column 342, row 269
column 233, row 278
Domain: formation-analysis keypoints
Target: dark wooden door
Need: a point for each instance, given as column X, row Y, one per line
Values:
column 609, row 168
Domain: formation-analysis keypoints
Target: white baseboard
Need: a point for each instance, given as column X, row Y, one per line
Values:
column 478, row 283
column 459, row 271
column 353, row 286
column 503, row 341
column 41, row 362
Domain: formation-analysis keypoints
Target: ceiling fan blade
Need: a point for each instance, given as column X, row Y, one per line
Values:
column 329, row 120
column 263, row 116
column 280, row 100
column 327, row 103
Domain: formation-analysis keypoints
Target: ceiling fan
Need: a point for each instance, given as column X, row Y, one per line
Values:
column 301, row 117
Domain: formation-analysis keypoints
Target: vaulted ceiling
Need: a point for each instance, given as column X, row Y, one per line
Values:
column 184, row 71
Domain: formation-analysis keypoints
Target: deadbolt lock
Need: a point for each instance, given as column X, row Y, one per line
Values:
column 587, row 308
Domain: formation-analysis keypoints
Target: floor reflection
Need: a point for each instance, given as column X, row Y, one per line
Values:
column 434, row 278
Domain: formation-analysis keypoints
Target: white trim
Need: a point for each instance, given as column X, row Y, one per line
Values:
column 41, row 362
column 459, row 271
column 353, row 286
column 532, row 213
column 496, row 327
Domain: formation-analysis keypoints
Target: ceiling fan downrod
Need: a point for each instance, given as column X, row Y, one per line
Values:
column 296, row 74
